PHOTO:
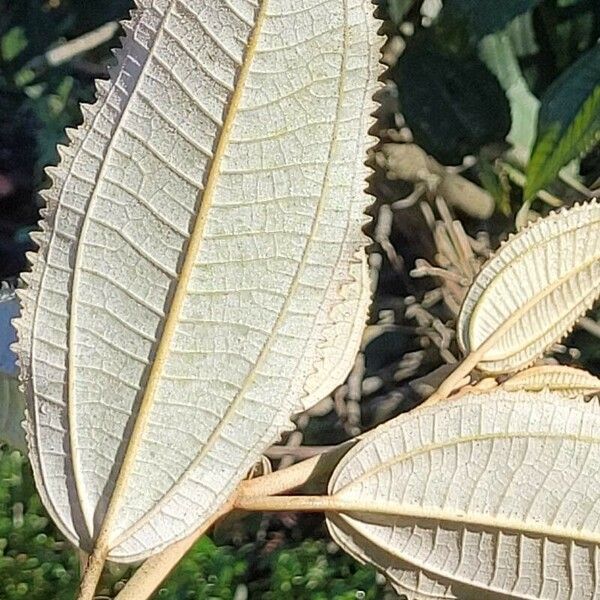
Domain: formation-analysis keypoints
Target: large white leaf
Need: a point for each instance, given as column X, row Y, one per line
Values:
column 201, row 276
column 488, row 496
column 530, row 294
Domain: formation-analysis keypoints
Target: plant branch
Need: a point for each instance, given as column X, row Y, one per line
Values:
column 287, row 503
column 69, row 50
column 456, row 379
column 298, row 452
column 92, row 572
column 154, row 571
column 518, row 177
column 311, row 474
column 590, row 326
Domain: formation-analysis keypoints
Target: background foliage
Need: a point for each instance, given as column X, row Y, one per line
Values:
column 505, row 93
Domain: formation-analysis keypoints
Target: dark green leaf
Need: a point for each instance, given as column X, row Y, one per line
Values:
column 452, row 103
column 569, row 122
column 13, row 42
column 485, row 16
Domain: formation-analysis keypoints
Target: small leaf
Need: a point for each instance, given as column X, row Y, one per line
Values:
column 569, row 122
column 560, row 379
column 489, row 496
column 530, row 294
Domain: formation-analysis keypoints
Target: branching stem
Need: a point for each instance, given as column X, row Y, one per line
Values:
column 455, row 379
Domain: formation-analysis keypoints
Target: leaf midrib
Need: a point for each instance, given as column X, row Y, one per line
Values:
column 430, row 513
column 465, row 328
column 191, row 253
column 513, row 320
column 178, row 297
column 289, row 298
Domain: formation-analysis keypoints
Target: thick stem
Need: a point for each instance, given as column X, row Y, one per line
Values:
column 88, row 41
column 286, row 503
column 92, row 573
column 298, row 452
column 454, row 380
column 154, row 571
column 314, row 471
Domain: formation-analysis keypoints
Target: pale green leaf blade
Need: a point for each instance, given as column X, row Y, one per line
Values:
column 497, row 52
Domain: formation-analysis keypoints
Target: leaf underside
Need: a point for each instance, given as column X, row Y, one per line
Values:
column 561, row 379
column 530, row 294
column 524, row 522
column 201, row 274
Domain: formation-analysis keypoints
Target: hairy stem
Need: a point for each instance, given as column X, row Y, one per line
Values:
column 287, row 503
column 154, row 571
column 92, row 573
column 312, row 472
column 455, row 379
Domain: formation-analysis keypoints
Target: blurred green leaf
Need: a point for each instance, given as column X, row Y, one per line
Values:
column 451, row 102
column 13, row 42
column 569, row 122
column 397, row 9
column 485, row 16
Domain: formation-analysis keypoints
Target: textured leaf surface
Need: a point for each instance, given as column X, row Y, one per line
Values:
column 530, row 294
column 561, row 379
column 490, row 496
column 201, row 276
